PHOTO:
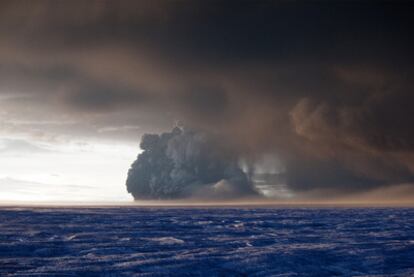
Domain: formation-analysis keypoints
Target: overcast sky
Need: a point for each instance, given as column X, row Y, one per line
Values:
column 324, row 89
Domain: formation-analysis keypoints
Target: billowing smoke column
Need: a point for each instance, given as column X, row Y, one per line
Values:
column 186, row 163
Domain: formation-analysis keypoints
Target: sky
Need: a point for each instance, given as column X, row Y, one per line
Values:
column 316, row 96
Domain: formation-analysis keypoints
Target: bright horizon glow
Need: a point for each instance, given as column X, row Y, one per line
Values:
column 81, row 171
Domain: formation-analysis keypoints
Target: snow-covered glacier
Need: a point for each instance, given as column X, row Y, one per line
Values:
column 136, row 241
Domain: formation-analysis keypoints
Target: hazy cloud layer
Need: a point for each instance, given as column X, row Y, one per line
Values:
column 325, row 87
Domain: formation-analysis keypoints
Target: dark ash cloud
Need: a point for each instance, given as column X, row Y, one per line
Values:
column 186, row 163
column 325, row 88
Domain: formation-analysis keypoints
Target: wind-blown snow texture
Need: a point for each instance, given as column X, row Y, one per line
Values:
column 206, row 242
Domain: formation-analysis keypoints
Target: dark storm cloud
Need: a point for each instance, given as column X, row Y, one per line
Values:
column 205, row 102
column 96, row 97
column 326, row 87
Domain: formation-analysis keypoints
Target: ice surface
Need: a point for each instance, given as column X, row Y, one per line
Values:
column 206, row 242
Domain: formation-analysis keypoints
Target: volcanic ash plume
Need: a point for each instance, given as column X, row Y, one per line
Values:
column 186, row 163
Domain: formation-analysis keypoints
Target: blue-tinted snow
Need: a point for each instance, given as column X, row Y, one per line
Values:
column 206, row 242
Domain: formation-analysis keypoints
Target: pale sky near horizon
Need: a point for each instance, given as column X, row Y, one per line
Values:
column 83, row 171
